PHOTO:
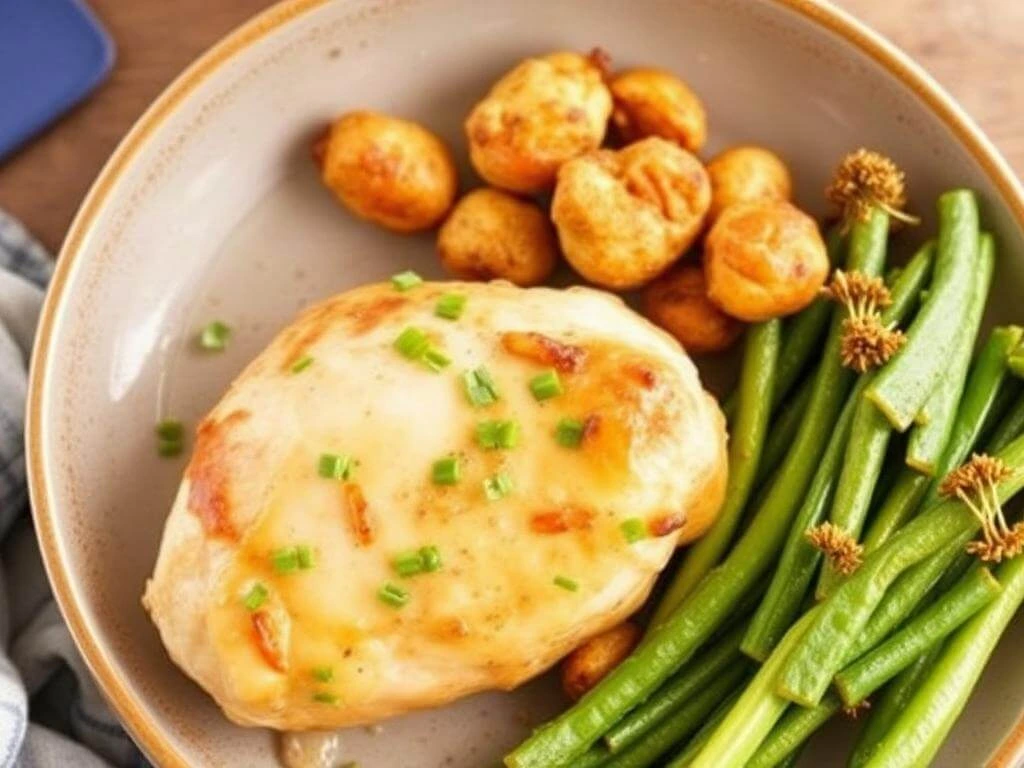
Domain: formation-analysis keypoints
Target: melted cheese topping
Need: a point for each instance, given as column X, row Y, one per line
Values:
column 323, row 649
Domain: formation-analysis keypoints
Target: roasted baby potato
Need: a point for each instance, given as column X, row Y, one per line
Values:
column 624, row 216
column 492, row 234
column 652, row 102
column 393, row 172
column 587, row 665
column 745, row 174
column 544, row 112
column 764, row 259
column 678, row 302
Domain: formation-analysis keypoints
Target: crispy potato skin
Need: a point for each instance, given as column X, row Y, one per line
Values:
column 539, row 115
column 653, row 102
column 623, row 217
column 390, row 171
column 745, row 174
column 492, row 234
column 764, row 259
column 587, row 665
column 678, row 302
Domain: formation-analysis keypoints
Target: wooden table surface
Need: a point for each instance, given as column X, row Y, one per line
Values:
column 973, row 47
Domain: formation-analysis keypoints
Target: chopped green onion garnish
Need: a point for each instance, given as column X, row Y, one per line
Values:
column 446, row 471
column 285, row 560
column 569, row 432
column 450, row 306
column 497, row 487
column 412, row 343
column 215, row 336
column 633, row 529
column 335, row 466
column 566, row 583
column 435, row 360
column 408, row 564
column 170, row 429
column 431, row 558
column 497, row 434
column 170, row 437
column 403, row 281
column 325, row 698
column 393, row 595
column 255, row 597
column 168, row 448
column 302, row 364
column 305, row 557
column 480, row 387
column 323, row 674
column 546, row 385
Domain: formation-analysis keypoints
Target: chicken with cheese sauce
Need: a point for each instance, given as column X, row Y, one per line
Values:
column 413, row 495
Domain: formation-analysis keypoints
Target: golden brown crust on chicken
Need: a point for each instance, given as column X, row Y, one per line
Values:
column 653, row 102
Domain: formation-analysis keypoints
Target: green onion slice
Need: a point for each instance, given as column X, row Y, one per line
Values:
column 450, row 306
column 323, row 674
column 285, row 559
column 403, row 281
column 546, row 385
column 633, row 529
column 255, row 597
column 335, row 466
column 480, row 387
column 446, row 471
column 566, row 583
column 498, row 486
column 497, row 434
column 214, row 336
column 302, row 364
column 393, row 595
column 569, row 433
column 412, row 343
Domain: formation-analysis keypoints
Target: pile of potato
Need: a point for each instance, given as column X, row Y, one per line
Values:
column 623, row 214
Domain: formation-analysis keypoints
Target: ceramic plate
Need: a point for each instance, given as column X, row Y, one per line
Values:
column 210, row 208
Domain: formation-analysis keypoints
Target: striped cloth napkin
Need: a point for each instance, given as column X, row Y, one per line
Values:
column 51, row 715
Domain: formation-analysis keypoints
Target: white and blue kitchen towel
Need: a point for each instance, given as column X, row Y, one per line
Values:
column 51, row 715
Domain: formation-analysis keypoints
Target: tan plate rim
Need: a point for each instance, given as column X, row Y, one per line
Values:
column 147, row 732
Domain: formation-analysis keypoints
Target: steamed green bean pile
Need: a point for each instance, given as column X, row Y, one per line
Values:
column 821, row 588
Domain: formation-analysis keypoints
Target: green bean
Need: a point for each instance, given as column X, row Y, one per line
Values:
column 1007, row 397
column 669, row 645
column 906, row 594
column 885, row 709
column 760, row 359
column 799, row 560
column 917, row 734
column 680, row 723
column 797, row 725
column 692, row 678
column 870, row 431
column 784, row 429
column 928, row 440
column 755, row 712
column 595, row 757
column 696, row 744
column 902, row 387
column 790, row 760
column 987, row 378
column 843, row 616
column 1010, row 429
column 870, row 672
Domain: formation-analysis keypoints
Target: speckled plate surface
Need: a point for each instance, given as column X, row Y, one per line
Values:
column 210, row 209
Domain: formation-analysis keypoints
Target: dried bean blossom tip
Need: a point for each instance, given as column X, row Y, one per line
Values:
column 867, row 342
column 975, row 483
column 866, row 180
column 842, row 551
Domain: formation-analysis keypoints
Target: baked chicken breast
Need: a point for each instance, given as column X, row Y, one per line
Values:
column 409, row 497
